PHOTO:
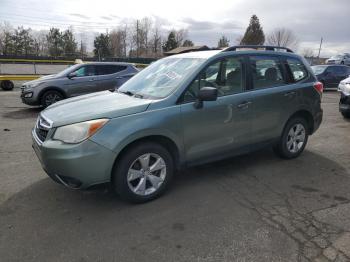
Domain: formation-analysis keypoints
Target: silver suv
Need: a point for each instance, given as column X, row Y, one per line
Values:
column 76, row 80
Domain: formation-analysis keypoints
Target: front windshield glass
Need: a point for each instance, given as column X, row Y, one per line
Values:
column 318, row 69
column 161, row 78
column 67, row 70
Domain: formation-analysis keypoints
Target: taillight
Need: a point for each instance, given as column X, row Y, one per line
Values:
column 319, row 87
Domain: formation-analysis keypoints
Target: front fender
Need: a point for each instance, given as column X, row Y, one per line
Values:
column 120, row 132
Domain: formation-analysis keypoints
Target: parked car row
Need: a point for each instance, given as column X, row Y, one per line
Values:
column 343, row 59
column 336, row 77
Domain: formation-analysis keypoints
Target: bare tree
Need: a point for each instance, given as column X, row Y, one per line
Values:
column 307, row 52
column 118, row 42
column 156, row 41
column 282, row 37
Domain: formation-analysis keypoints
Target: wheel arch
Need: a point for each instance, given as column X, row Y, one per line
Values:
column 163, row 140
column 49, row 88
column 303, row 113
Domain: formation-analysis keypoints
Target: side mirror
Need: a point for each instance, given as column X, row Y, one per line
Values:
column 72, row 75
column 206, row 94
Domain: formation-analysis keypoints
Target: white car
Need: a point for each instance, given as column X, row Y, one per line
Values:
column 339, row 59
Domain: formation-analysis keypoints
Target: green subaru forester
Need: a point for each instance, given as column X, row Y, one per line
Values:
column 180, row 111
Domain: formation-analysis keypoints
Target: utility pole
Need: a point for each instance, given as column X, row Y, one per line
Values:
column 137, row 38
column 319, row 50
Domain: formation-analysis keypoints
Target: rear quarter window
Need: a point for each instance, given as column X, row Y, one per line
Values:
column 298, row 69
column 109, row 69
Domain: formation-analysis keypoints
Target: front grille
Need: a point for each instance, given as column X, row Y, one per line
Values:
column 42, row 128
column 41, row 133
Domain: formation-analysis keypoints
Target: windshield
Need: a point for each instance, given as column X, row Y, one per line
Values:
column 161, row 78
column 318, row 69
column 67, row 70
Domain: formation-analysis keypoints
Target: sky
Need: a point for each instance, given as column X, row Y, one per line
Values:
column 206, row 21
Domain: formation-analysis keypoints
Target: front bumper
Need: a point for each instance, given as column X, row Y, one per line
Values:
column 344, row 103
column 77, row 166
column 32, row 100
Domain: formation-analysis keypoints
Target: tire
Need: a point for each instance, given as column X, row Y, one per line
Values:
column 346, row 114
column 50, row 97
column 342, row 62
column 142, row 185
column 7, row 85
column 294, row 133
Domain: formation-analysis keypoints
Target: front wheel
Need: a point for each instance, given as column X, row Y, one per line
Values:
column 143, row 172
column 293, row 139
column 50, row 97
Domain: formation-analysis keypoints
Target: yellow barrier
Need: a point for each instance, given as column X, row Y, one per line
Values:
column 18, row 77
column 37, row 61
column 56, row 61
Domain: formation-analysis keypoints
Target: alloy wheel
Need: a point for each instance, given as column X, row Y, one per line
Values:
column 146, row 174
column 296, row 138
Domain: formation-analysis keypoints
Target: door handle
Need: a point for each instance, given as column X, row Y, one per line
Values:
column 91, row 80
column 289, row 94
column 244, row 104
column 119, row 77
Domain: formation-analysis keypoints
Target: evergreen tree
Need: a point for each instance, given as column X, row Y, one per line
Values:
column 188, row 42
column 223, row 42
column 55, row 42
column 102, row 44
column 254, row 35
column 69, row 44
column 171, row 43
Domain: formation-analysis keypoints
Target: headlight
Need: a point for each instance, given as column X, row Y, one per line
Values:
column 76, row 133
column 345, row 88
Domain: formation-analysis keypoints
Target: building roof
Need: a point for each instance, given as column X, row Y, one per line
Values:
column 186, row 49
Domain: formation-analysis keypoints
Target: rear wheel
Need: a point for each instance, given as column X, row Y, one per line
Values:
column 143, row 172
column 7, row 85
column 50, row 97
column 293, row 139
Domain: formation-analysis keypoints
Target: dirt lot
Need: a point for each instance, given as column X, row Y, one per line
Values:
column 250, row 208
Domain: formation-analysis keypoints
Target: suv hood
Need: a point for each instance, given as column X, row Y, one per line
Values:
column 93, row 106
column 41, row 79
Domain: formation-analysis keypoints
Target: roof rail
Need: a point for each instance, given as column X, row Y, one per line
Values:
column 258, row 47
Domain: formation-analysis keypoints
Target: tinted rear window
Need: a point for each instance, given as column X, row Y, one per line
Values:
column 297, row 68
column 109, row 69
column 266, row 72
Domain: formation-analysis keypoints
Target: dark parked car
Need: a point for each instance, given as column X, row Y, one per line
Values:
column 76, row 80
column 331, row 75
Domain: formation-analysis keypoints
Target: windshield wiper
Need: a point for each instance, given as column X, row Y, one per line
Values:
column 127, row 93
column 138, row 95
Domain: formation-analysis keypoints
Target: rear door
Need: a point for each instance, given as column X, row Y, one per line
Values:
column 108, row 76
column 83, row 82
column 271, row 96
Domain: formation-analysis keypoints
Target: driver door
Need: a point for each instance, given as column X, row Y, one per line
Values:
column 84, row 82
column 219, row 126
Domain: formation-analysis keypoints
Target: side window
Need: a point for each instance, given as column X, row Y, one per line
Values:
column 266, row 72
column 225, row 75
column 109, row 69
column 87, row 70
column 297, row 69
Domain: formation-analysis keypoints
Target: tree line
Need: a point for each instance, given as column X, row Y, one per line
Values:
column 141, row 38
